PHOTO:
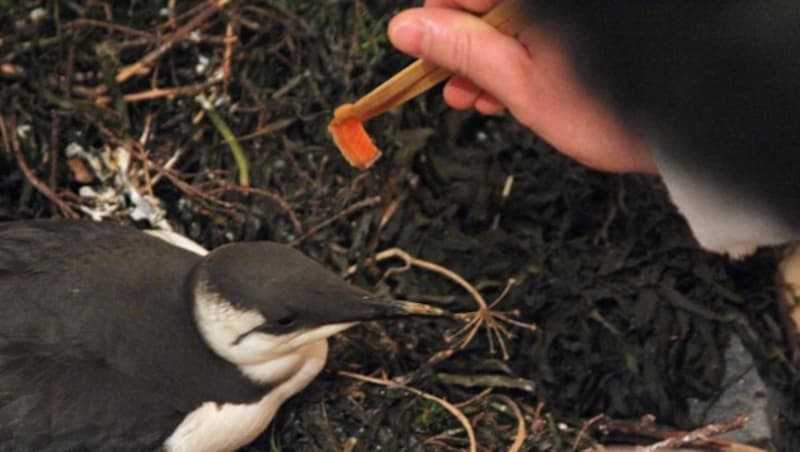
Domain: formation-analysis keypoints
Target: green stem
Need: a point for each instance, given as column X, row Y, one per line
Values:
column 230, row 138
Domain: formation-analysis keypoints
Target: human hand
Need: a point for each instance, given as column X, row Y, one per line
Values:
column 529, row 75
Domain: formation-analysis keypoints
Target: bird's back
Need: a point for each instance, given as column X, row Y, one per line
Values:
column 62, row 279
column 97, row 342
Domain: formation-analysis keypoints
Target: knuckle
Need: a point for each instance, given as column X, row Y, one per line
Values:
column 463, row 41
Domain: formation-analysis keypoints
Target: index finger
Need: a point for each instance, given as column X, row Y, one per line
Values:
column 475, row 6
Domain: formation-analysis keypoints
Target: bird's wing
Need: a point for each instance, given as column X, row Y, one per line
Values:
column 90, row 316
column 93, row 290
column 44, row 405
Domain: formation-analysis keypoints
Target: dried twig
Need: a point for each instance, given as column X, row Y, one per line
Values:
column 494, row 321
column 488, row 381
column 85, row 22
column 584, row 429
column 439, row 441
column 349, row 210
column 272, row 127
column 144, row 65
column 698, row 436
column 538, row 425
column 55, row 129
column 227, row 57
column 671, row 438
column 522, row 433
column 282, row 203
column 156, row 93
column 473, row 445
column 11, row 144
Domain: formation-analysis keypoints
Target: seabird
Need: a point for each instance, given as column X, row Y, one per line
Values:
column 113, row 339
column 713, row 89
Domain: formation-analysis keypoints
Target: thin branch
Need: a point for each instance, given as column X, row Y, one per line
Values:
column 485, row 316
column 473, row 445
column 42, row 187
column 584, row 429
column 455, row 277
column 84, row 22
column 282, row 203
column 700, row 435
column 144, row 65
column 522, row 433
column 346, row 212
column 175, row 91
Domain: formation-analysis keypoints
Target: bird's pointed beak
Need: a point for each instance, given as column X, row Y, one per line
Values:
column 388, row 308
column 350, row 309
column 368, row 307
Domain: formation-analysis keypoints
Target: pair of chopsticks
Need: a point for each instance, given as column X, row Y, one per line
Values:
column 412, row 81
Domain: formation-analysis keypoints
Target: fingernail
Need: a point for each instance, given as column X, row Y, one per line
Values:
column 407, row 35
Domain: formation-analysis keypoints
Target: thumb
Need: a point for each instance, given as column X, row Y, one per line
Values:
column 466, row 45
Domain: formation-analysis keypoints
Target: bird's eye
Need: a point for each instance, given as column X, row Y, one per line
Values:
column 285, row 321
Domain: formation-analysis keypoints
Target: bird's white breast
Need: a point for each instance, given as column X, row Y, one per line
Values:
column 720, row 220
column 227, row 427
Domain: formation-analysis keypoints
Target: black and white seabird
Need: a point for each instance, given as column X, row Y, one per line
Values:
column 713, row 89
column 112, row 339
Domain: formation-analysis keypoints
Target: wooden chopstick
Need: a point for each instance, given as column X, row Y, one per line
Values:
column 420, row 76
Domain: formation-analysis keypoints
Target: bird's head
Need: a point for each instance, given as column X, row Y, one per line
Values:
column 261, row 302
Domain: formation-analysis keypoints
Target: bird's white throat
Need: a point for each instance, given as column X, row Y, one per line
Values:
column 287, row 363
column 228, row 330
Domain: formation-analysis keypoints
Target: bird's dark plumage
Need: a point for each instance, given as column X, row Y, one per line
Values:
column 61, row 295
column 712, row 84
column 112, row 339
